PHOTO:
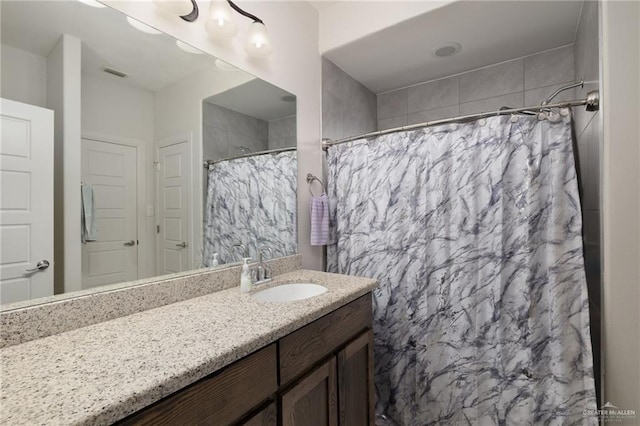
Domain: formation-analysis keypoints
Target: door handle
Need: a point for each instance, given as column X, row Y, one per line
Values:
column 40, row 266
column 130, row 243
column 182, row 244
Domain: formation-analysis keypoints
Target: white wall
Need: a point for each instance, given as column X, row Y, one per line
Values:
column 115, row 112
column 178, row 111
column 63, row 96
column 621, row 203
column 345, row 22
column 23, row 77
column 294, row 66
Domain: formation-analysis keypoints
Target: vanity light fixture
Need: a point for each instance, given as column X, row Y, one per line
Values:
column 221, row 25
column 185, row 9
column 174, row 7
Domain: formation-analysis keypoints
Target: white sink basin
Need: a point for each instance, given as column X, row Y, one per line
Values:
column 289, row 292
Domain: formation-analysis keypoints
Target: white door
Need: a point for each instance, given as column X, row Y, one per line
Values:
column 26, row 202
column 111, row 171
column 173, row 203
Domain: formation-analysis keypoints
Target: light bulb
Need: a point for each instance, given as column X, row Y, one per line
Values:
column 174, row 7
column 220, row 23
column 258, row 44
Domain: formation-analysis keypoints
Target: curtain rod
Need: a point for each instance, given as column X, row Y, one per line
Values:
column 208, row 163
column 592, row 102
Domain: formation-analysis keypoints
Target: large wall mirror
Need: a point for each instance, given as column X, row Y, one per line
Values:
column 127, row 154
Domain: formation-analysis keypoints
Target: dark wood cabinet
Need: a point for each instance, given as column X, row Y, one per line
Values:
column 219, row 399
column 321, row 374
column 312, row 401
column 355, row 386
column 268, row 416
column 302, row 349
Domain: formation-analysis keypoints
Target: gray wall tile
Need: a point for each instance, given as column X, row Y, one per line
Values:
column 586, row 47
column 282, row 133
column 348, row 107
column 589, row 163
column 537, row 96
column 433, row 114
column 436, row 94
column 392, row 104
column 513, row 100
column 391, row 122
column 333, row 80
column 492, row 81
column 548, row 68
column 333, row 107
column 225, row 130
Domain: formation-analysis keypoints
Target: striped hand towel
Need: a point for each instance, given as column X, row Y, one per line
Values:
column 319, row 220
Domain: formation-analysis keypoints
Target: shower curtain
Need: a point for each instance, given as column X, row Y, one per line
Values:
column 251, row 201
column 474, row 233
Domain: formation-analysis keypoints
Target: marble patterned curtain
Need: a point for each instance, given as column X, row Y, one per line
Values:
column 474, row 232
column 251, row 201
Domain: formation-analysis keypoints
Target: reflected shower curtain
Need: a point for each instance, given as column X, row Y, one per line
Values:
column 474, row 232
column 251, row 201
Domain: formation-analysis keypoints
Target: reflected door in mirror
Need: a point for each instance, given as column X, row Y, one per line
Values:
column 110, row 170
column 174, row 212
column 26, row 208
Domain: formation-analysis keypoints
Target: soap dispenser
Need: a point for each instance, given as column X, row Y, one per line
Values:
column 214, row 260
column 245, row 276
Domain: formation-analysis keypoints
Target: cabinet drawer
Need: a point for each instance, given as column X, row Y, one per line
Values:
column 303, row 348
column 219, row 399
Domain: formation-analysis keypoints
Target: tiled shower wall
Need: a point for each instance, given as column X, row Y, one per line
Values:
column 226, row 132
column 348, row 108
column 520, row 82
column 588, row 130
column 282, row 133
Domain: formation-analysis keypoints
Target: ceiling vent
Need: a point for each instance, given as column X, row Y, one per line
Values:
column 117, row 73
column 448, row 49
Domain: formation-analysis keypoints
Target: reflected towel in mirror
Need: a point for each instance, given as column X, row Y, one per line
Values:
column 89, row 230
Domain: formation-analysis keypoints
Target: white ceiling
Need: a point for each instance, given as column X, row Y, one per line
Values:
column 489, row 32
column 152, row 61
column 321, row 5
column 248, row 99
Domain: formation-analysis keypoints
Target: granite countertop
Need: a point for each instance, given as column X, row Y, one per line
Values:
column 101, row 373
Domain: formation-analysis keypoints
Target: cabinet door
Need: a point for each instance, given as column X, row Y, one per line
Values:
column 355, row 384
column 268, row 416
column 312, row 402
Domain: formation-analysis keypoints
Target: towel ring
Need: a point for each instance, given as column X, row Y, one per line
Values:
column 310, row 179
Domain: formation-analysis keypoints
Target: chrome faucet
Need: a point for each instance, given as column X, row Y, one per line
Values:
column 243, row 253
column 262, row 271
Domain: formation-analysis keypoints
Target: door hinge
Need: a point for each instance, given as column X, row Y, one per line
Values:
column 157, row 229
column 137, row 242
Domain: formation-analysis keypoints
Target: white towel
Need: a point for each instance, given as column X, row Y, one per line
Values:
column 319, row 220
column 89, row 231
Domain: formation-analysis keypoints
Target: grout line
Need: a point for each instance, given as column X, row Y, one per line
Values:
column 475, row 69
column 575, row 33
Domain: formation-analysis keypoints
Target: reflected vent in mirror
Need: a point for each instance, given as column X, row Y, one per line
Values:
column 115, row 72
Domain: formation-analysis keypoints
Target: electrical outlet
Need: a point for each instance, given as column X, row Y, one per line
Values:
column 150, row 211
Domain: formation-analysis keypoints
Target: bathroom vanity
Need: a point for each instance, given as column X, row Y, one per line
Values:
column 221, row 358
column 312, row 376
